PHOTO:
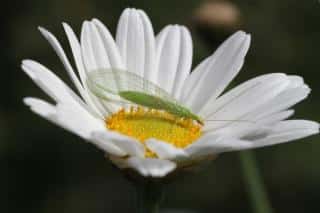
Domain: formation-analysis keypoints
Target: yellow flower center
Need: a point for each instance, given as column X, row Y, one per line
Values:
column 142, row 124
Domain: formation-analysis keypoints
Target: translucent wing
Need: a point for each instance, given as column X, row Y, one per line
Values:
column 108, row 83
column 123, row 86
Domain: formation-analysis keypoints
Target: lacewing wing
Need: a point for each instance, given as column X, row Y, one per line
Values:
column 119, row 85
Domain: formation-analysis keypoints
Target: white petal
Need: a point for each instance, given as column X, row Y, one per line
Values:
column 39, row 106
column 136, row 42
column 54, row 87
column 239, row 129
column 76, row 50
column 129, row 145
column 239, row 90
column 148, row 167
column 276, row 117
column 57, row 47
column 45, row 110
column 78, row 120
column 94, row 54
column 87, row 49
column 70, row 116
column 165, row 150
column 50, row 83
column 108, row 147
column 213, row 144
column 74, row 119
column 290, row 125
column 150, row 71
column 193, row 79
column 94, row 57
column 174, row 56
column 109, row 142
column 267, row 113
column 166, row 59
column 101, row 53
column 185, row 61
column 295, row 81
column 286, row 131
column 241, row 102
column 109, row 45
column 254, row 128
column 223, row 67
column 122, row 34
column 283, row 101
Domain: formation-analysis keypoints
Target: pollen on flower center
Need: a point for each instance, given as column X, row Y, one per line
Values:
column 143, row 123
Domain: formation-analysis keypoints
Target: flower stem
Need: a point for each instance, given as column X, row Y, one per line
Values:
column 149, row 195
column 255, row 187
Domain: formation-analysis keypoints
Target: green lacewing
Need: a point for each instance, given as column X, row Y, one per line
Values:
column 120, row 85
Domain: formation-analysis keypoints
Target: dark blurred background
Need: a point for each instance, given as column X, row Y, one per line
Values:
column 46, row 169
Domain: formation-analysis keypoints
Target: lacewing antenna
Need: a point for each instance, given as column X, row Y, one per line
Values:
column 245, row 121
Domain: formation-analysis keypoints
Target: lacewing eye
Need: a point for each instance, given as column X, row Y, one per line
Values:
column 119, row 85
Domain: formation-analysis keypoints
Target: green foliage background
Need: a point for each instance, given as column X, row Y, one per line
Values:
column 46, row 169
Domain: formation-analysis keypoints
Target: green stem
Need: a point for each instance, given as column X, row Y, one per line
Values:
column 148, row 196
column 255, row 187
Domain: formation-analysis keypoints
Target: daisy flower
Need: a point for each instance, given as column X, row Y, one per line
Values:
column 153, row 139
